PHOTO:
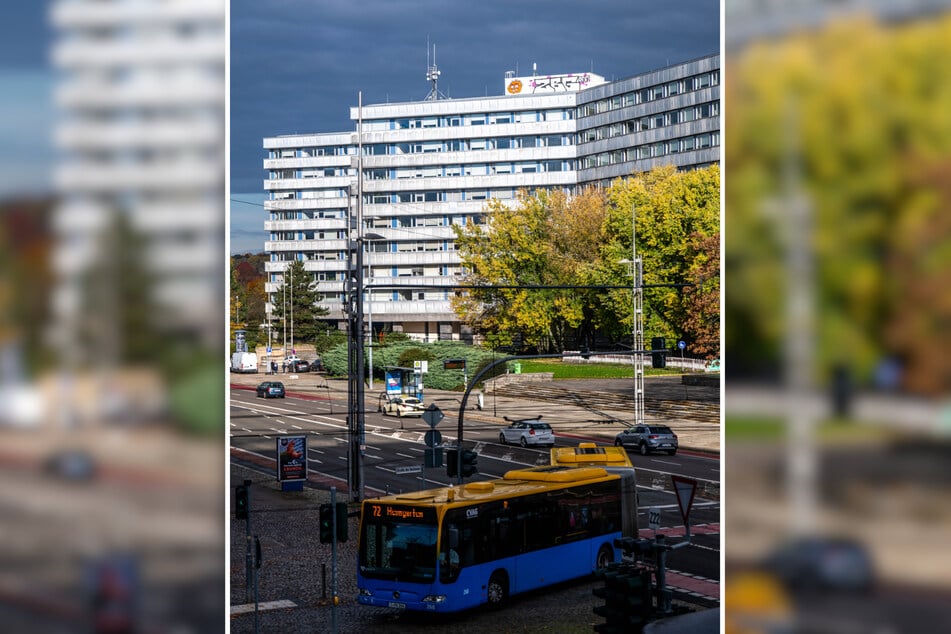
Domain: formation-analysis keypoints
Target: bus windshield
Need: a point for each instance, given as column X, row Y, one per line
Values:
column 398, row 550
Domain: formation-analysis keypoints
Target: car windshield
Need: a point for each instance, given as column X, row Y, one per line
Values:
column 659, row 429
column 541, row 426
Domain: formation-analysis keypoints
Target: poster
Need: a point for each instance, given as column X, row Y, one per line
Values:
column 291, row 458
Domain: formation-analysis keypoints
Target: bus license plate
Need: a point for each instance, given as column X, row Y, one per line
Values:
column 394, row 604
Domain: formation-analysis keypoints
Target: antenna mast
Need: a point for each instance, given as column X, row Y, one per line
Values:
column 432, row 76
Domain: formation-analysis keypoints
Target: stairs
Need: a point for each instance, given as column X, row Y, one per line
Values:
column 601, row 403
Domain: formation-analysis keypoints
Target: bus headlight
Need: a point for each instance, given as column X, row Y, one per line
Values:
column 363, row 592
column 434, row 598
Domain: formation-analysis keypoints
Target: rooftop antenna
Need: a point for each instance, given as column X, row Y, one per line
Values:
column 432, row 75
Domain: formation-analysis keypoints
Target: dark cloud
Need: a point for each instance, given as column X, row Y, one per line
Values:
column 297, row 65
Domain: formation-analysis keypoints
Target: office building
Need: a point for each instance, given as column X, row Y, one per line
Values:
column 430, row 165
column 141, row 96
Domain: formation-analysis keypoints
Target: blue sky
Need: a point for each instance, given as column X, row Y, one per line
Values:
column 298, row 65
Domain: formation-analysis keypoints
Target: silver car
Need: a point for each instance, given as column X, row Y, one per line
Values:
column 648, row 438
column 528, row 432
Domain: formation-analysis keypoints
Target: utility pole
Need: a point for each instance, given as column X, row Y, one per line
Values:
column 637, row 286
column 356, row 420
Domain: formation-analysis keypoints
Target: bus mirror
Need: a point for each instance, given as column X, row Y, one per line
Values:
column 453, row 537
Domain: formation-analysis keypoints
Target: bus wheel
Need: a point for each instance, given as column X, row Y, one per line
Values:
column 605, row 556
column 498, row 589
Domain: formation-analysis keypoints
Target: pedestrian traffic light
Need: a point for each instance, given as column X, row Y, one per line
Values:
column 452, row 462
column 467, row 462
column 241, row 502
column 327, row 522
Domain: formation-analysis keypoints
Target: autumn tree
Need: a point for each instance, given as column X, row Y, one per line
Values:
column 675, row 216
column 551, row 239
column 851, row 138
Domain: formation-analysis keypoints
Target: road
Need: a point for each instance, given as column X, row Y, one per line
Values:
column 394, row 445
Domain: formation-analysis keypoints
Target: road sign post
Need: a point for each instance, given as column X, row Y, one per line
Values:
column 685, row 488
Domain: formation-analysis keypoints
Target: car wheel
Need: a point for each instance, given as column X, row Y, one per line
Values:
column 605, row 557
column 502, row 438
column 644, row 449
column 618, row 443
column 498, row 589
column 672, row 452
column 522, row 442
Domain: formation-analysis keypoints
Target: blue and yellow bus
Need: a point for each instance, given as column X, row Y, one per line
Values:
column 454, row 548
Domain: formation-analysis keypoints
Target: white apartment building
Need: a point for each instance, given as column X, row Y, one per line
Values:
column 141, row 132
column 432, row 164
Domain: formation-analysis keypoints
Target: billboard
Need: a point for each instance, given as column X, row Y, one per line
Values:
column 291, row 458
column 548, row 84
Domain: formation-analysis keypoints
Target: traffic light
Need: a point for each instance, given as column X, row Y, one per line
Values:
column 659, row 358
column 467, row 462
column 241, row 502
column 327, row 523
column 452, row 462
column 342, row 522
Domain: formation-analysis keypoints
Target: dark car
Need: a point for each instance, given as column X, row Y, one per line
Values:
column 271, row 389
column 648, row 438
column 316, row 365
column 825, row 564
column 299, row 365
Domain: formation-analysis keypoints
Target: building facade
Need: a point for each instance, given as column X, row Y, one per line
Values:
column 141, row 135
column 430, row 165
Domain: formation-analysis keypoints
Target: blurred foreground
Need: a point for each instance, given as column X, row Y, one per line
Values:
column 112, row 323
column 838, row 155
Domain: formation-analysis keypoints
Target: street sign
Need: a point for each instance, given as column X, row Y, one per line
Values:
column 653, row 518
column 681, row 345
column 412, row 469
column 685, row 489
column 432, row 415
column 454, row 364
column 432, row 438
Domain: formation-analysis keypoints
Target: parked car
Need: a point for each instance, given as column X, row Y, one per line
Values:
column 402, row 406
column 316, row 365
column 298, row 365
column 271, row 389
column 533, row 431
column 648, row 438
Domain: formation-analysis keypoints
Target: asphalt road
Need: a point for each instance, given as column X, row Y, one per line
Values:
column 394, row 445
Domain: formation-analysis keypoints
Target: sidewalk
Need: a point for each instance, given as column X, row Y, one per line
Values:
column 567, row 419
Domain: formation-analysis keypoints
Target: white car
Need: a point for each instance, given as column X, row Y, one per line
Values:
column 533, row 431
column 403, row 406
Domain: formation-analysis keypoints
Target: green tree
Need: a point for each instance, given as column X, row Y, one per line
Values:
column 295, row 303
